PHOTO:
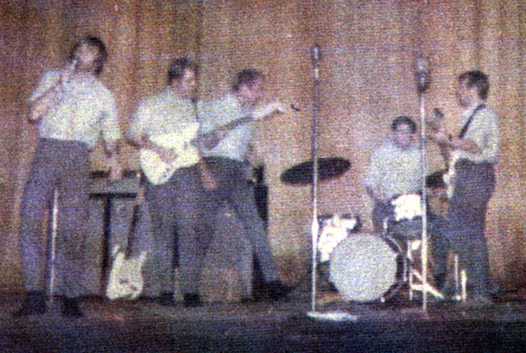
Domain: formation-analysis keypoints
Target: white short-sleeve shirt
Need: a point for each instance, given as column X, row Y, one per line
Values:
column 85, row 110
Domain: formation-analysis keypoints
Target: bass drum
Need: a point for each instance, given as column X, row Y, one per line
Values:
column 365, row 267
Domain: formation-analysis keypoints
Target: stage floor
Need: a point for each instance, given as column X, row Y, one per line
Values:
column 144, row 326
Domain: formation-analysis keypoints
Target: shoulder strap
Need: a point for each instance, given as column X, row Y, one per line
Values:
column 466, row 125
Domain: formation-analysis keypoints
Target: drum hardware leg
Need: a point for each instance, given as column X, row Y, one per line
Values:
column 460, row 281
column 416, row 279
column 463, row 281
column 457, row 278
column 410, row 270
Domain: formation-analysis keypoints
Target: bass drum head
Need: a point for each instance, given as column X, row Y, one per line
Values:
column 363, row 267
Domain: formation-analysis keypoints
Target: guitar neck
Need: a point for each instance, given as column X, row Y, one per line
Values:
column 445, row 153
column 227, row 127
column 235, row 124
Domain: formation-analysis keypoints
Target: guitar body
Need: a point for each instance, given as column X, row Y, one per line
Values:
column 450, row 156
column 449, row 177
column 125, row 280
column 156, row 170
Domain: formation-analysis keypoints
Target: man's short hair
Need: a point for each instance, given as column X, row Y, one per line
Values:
column 403, row 120
column 96, row 43
column 247, row 77
column 476, row 79
column 179, row 66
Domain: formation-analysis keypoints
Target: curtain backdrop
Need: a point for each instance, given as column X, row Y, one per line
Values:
column 367, row 78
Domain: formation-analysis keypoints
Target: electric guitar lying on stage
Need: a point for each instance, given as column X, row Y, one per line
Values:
column 158, row 171
column 450, row 155
column 126, row 279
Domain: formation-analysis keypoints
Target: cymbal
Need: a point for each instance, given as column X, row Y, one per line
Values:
column 328, row 168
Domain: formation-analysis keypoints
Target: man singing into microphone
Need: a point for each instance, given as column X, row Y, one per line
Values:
column 71, row 108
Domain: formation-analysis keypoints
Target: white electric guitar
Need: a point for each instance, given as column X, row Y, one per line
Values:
column 450, row 155
column 158, row 171
column 126, row 279
column 155, row 168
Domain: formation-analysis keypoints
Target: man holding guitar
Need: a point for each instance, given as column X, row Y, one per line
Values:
column 227, row 127
column 165, row 127
column 475, row 152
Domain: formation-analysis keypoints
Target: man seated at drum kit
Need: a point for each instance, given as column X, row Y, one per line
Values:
column 394, row 178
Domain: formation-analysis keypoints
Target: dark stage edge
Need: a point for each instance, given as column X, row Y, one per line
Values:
column 143, row 326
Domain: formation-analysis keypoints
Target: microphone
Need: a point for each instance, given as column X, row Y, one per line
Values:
column 69, row 70
column 316, row 57
column 295, row 108
column 315, row 54
column 422, row 73
column 73, row 65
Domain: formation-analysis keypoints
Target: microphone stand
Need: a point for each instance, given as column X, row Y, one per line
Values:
column 422, row 78
column 315, row 226
column 53, row 227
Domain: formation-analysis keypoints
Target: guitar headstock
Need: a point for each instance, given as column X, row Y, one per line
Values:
column 437, row 119
column 438, row 114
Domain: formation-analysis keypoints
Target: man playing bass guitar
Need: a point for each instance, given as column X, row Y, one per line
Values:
column 476, row 149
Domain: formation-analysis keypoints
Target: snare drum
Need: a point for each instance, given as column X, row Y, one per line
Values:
column 366, row 267
column 407, row 207
column 406, row 222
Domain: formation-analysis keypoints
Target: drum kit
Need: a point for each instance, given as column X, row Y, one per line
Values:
column 366, row 267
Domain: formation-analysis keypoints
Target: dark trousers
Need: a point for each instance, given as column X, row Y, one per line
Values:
column 179, row 207
column 61, row 165
column 234, row 188
column 474, row 186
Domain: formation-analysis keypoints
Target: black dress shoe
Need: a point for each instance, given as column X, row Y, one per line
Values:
column 247, row 300
column 277, row 290
column 71, row 308
column 167, row 299
column 192, row 300
column 34, row 304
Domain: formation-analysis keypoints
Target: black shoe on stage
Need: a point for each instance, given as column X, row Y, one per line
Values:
column 167, row 299
column 276, row 290
column 34, row 304
column 192, row 300
column 71, row 308
column 247, row 300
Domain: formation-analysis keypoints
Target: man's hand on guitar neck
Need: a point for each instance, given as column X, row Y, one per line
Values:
column 444, row 139
column 441, row 137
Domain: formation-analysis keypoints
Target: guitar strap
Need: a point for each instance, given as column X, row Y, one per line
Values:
column 466, row 125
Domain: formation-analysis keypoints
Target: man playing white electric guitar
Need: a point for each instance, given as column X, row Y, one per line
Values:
column 164, row 127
